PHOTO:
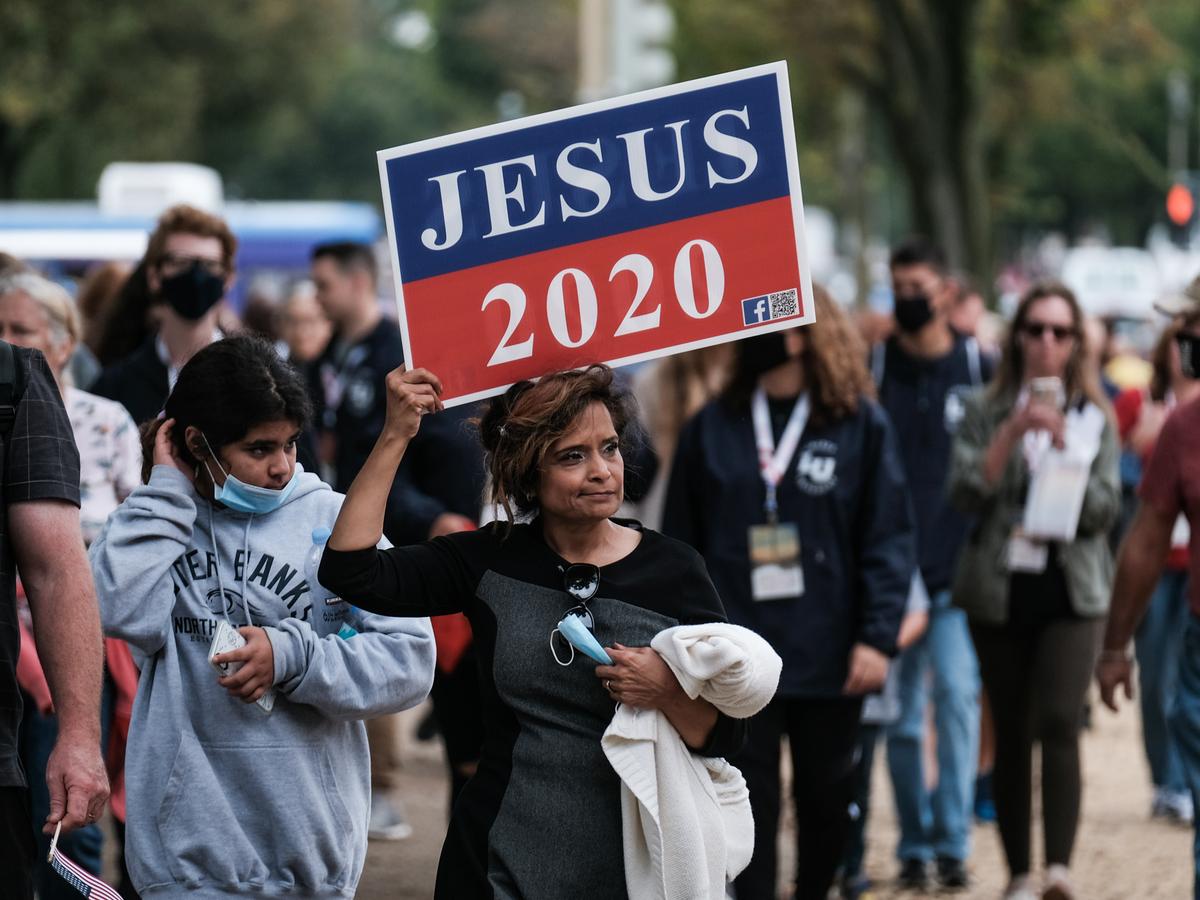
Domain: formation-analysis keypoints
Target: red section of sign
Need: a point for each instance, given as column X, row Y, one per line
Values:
column 752, row 249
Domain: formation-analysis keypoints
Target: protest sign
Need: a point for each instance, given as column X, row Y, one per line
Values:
column 616, row 231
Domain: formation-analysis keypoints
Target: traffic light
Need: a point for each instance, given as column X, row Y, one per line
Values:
column 1182, row 209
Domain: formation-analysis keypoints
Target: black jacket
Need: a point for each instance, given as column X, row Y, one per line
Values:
column 925, row 400
column 443, row 468
column 138, row 382
column 855, row 523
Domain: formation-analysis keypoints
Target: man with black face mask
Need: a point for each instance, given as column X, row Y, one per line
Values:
column 189, row 265
column 1170, row 489
column 924, row 373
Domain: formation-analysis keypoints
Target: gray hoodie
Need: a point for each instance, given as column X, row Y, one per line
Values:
column 224, row 798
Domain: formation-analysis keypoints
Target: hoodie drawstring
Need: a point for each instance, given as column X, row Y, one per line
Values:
column 245, row 574
column 212, row 536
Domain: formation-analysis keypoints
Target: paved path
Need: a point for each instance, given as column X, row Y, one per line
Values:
column 1120, row 854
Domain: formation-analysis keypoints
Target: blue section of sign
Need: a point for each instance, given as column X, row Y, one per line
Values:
column 417, row 201
column 756, row 310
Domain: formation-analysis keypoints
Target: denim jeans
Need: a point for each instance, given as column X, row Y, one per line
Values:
column 938, row 822
column 1159, row 642
column 1184, row 722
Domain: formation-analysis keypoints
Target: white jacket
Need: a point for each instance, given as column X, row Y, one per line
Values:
column 686, row 820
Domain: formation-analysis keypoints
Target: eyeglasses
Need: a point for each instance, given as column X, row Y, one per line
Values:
column 174, row 263
column 1036, row 329
column 581, row 581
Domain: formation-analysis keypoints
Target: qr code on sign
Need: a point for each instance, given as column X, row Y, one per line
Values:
column 784, row 304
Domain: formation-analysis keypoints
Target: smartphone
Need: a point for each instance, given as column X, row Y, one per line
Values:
column 1048, row 391
column 227, row 638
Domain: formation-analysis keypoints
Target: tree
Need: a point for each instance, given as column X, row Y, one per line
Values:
column 1016, row 113
column 84, row 83
column 283, row 99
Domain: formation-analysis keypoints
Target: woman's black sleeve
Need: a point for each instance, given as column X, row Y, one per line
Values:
column 727, row 738
column 728, row 735
column 428, row 579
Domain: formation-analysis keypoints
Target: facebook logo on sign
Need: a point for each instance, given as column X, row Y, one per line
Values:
column 756, row 310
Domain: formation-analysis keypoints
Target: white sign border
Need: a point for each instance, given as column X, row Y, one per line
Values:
column 778, row 69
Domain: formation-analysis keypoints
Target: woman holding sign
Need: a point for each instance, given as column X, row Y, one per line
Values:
column 1035, row 460
column 541, row 817
column 790, row 485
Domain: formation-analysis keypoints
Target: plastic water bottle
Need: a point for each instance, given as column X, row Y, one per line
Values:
column 312, row 565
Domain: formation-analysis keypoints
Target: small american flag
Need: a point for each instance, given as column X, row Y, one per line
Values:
column 84, row 882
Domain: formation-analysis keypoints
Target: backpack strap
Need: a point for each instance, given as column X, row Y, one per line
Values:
column 8, row 388
column 974, row 363
column 878, row 363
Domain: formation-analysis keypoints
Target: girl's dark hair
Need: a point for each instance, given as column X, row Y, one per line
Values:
column 225, row 390
column 518, row 428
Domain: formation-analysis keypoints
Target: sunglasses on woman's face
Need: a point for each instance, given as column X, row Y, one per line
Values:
column 581, row 581
column 1036, row 329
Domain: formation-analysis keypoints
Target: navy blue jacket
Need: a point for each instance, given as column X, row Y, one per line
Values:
column 856, row 535
column 925, row 399
column 360, row 373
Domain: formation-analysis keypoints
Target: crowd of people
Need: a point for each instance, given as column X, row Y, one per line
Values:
column 231, row 550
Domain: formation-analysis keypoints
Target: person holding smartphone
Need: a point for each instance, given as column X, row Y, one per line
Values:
column 227, row 795
column 1035, row 463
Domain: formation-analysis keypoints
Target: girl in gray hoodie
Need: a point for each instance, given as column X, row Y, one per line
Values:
column 225, row 797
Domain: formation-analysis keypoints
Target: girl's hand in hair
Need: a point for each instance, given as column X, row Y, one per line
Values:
column 257, row 674
column 165, row 453
column 410, row 395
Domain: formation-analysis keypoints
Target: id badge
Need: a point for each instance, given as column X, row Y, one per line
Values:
column 1024, row 554
column 775, row 570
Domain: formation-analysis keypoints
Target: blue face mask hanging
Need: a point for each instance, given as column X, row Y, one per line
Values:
column 247, row 498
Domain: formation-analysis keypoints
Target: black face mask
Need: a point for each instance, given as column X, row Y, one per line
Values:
column 193, row 292
column 762, row 353
column 1189, row 354
column 913, row 312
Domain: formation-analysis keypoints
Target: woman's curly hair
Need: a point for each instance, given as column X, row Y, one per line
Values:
column 834, row 361
column 519, row 427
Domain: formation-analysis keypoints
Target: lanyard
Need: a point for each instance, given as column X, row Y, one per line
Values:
column 772, row 460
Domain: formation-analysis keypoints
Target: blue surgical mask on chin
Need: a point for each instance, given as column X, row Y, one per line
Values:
column 247, row 498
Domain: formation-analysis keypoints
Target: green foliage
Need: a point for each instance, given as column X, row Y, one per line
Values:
column 1080, row 145
column 285, row 100
column 84, row 83
column 1038, row 113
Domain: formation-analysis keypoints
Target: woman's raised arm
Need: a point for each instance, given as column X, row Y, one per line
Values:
column 410, row 395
